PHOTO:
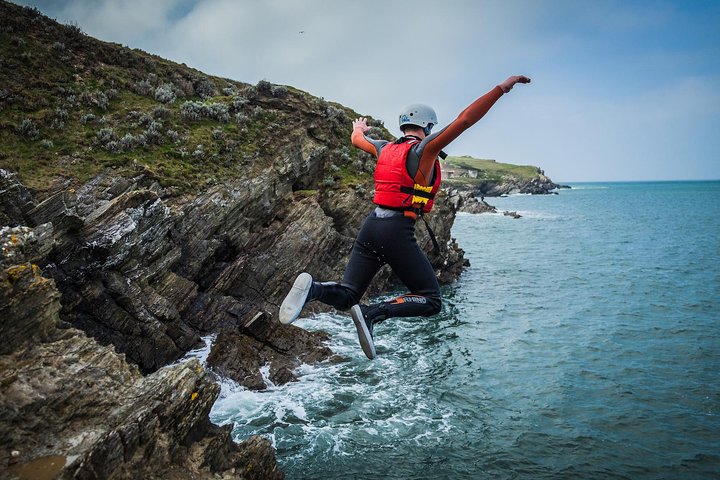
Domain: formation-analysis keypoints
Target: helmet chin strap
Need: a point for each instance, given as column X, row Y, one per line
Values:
column 428, row 129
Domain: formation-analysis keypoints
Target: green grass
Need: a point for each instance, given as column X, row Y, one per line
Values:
column 300, row 194
column 490, row 170
column 349, row 177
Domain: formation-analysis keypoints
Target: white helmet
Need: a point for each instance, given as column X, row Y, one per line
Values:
column 420, row 115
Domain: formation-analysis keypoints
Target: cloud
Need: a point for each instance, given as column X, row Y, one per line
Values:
column 120, row 22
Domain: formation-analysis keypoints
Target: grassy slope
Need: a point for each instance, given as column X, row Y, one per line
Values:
column 490, row 170
column 72, row 106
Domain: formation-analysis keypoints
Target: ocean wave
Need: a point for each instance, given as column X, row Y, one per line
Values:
column 590, row 187
column 201, row 353
column 333, row 407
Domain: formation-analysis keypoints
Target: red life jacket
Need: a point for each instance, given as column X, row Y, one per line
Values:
column 395, row 188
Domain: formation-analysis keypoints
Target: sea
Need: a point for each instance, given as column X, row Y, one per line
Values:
column 582, row 342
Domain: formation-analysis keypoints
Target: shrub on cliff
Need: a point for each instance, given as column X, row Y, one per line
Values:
column 165, row 93
column 161, row 112
column 152, row 133
column 59, row 119
column 193, row 111
column 28, row 129
column 241, row 119
column 279, row 91
column 95, row 99
column 173, row 136
column 335, row 114
column 142, row 87
column 204, row 88
column 105, row 135
column 265, row 87
column 238, row 103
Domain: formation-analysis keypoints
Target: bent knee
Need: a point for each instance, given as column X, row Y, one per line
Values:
column 346, row 304
column 435, row 304
column 346, row 301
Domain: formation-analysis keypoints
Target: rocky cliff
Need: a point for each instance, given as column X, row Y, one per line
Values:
column 72, row 408
column 488, row 178
column 540, row 185
column 143, row 205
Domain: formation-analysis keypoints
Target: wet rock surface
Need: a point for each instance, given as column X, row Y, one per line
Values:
column 470, row 203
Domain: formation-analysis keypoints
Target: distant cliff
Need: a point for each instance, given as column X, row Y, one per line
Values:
column 488, row 178
column 144, row 204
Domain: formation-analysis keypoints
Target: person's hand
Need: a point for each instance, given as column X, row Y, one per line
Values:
column 511, row 81
column 361, row 123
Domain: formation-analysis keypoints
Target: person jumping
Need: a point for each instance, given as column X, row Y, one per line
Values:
column 407, row 178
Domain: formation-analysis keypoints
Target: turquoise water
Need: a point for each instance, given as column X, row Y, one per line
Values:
column 582, row 342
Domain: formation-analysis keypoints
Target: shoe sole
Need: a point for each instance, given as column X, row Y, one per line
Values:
column 366, row 340
column 295, row 300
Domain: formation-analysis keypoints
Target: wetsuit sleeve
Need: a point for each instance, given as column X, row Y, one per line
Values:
column 367, row 144
column 430, row 147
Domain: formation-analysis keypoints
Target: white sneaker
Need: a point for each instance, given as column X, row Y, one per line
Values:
column 364, row 331
column 295, row 300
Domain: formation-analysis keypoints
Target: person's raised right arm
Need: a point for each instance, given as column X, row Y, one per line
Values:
column 362, row 142
column 431, row 146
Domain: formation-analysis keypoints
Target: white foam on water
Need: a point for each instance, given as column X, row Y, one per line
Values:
column 201, row 353
column 265, row 374
column 333, row 407
column 536, row 215
column 589, row 187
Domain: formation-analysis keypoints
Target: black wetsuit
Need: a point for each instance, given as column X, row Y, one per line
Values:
column 385, row 240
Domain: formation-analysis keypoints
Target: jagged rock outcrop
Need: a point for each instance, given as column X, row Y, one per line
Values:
column 78, row 410
column 469, row 203
column 132, row 274
column 148, row 275
column 539, row 185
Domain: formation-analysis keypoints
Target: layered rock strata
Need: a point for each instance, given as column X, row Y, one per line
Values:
column 73, row 408
column 110, row 283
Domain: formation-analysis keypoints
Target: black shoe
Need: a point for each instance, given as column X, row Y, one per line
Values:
column 365, row 331
column 295, row 299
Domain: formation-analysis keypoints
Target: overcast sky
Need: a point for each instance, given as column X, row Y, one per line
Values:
column 621, row 90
